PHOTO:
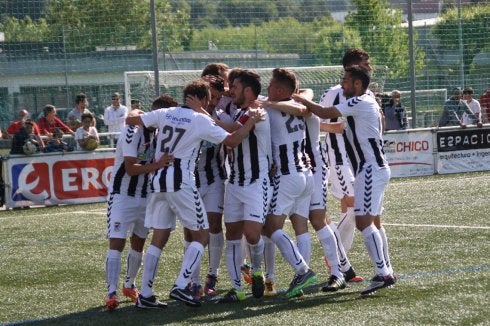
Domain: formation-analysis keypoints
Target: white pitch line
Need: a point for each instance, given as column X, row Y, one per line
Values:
column 98, row 212
column 440, row 226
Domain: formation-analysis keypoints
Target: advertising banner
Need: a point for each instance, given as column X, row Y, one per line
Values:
column 463, row 150
column 57, row 178
column 409, row 153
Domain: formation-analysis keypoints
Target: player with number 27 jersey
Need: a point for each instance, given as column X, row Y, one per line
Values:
column 172, row 125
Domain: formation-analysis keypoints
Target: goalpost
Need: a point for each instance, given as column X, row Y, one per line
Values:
column 141, row 84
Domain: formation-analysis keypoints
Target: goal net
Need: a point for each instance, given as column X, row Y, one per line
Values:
column 141, row 84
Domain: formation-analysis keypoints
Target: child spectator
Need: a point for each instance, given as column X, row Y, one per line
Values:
column 86, row 132
column 56, row 143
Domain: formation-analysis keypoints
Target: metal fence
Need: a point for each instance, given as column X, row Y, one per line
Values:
column 52, row 50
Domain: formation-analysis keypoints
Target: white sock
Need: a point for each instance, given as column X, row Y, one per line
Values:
column 133, row 265
column 245, row 250
column 256, row 253
column 190, row 263
column 382, row 233
column 344, row 261
column 215, row 250
column 329, row 245
column 195, row 277
column 289, row 251
column 304, row 246
column 234, row 259
column 347, row 227
column 150, row 268
column 374, row 246
column 269, row 259
column 112, row 269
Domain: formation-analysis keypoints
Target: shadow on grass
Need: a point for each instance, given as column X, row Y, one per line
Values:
column 210, row 312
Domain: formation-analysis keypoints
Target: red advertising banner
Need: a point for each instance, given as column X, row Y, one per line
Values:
column 55, row 178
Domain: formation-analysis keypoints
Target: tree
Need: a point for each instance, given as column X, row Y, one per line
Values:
column 86, row 24
column 24, row 30
column 382, row 35
column 475, row 27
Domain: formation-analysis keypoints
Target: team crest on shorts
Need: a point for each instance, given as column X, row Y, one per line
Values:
column 117, row 226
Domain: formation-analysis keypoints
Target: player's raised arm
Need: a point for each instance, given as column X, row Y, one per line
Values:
column 287, row 107
column 317, row 109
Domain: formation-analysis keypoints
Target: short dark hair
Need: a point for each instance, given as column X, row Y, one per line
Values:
column 354, row 57
column 29, row 122
column 198, row 87
column 87, row 115
column 217, row 83
column 359, row 73
column 214, row 69
column 81, row 97
column 250, row 79
column 48, row 108
column 468, row 90
column 135, row 101
column 232, row 74
column 163, row 101
column 286, row 78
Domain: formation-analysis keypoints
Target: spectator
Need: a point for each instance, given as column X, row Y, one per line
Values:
column 454, row 110
column 474, row 106
column 115, row 115
column 85, row 132
column 485, row 105
column 49, row 122
column 74, row 117
column 135, row 104
column 19, row 123
column 24, row 134
column 56, row 143
column 395, row 114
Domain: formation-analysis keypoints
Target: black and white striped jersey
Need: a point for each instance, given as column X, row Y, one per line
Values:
column 313, row 145
column 366, row 129
column 338, row 150
column 132, row 143
column 288, row 135
column 180, row 133
column 226, row 110
column 251, row 159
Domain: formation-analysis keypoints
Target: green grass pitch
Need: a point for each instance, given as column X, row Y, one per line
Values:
column 52, row 267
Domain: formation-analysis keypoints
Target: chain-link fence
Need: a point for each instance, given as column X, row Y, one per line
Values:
column 50, row 50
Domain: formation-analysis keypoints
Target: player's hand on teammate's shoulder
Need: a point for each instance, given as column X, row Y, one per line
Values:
column 298, row 98
column 135, row 113
column 257, row 114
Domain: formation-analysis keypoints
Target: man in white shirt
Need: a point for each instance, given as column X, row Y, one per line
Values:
column 474, row 106
column 115, row 114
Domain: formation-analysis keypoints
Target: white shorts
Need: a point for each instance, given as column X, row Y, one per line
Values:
column 341, row 181
column 213, row 196
column 369, row 189
column 250, row 202
column 186, row 204
column 126, row 214
column 318, row 198
column 292, row 194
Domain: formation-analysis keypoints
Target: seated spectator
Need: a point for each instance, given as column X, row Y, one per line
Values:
column 74, row 117
column 19, row 123
column 56, row 143
column 49, row 122
column 395, row 114
column 85, row 132
column 474, row 106
column 24, row 134
column 454, row 110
